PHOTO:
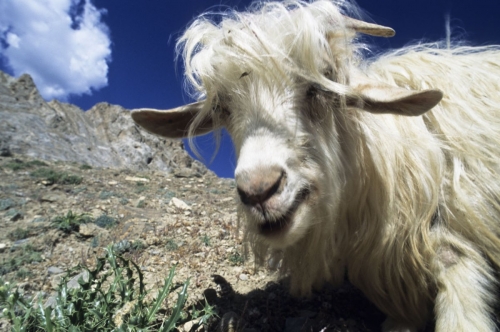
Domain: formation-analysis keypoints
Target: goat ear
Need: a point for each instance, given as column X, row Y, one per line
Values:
column 377, row 97
column 173, row 123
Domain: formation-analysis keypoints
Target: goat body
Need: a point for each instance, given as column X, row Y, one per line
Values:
column 382, row 168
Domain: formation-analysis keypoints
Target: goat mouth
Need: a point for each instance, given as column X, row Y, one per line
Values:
column 281, row 224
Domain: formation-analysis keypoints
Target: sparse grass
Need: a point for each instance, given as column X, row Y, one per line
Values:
column 171, row 245
column 216, row 191
column 128, row 246
column 70, row 222
column 235, row 258
column 168, row 194
column 206, row 240
column 53, row 177
column 112, row 298
column 18, row 164
column 138, row 245
column 141, row 187
column 23, row 273
column 18, row 234
column 107, row 194
column 21, row 257
column 85, row 167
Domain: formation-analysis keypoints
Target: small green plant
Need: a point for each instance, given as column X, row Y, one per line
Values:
column 111, row 297
column 53, row 177
column 141, row 187
column 202, row 316
column 18, row 234
column 138, row 245
column 95, row 242
column 171, row 245
column 23, row 273
column 206, row 240
column 85, row 167
column 70, row 222
column 105, row 221
column 169, row 194
column 15, row 165
column 123, row 201
column 236, row 258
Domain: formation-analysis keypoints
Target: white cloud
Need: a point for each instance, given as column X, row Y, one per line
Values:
column 62, row 44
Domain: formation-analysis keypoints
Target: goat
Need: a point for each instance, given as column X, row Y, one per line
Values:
column 383, row 169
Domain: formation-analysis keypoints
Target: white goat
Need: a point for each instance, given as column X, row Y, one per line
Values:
column 342, row 165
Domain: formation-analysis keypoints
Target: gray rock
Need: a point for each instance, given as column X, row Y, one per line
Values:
column 73, row 282
column 55, row 270
column 179, row 204
column 6, row 204
column 13, row 215
column 89, row 230
column 104, row 136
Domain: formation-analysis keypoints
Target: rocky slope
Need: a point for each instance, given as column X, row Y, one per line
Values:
column 159, row 220
column 104, row 136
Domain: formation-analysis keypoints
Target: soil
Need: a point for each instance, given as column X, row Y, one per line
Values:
column 181, row 218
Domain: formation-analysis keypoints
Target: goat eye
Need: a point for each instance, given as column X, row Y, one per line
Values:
column 314, row 89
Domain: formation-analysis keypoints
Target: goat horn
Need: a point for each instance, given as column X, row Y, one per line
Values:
column 368, row 28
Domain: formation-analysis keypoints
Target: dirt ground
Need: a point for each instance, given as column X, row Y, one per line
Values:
column 160, row 220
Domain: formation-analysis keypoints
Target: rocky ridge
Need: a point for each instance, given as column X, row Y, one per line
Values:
column 104, row 136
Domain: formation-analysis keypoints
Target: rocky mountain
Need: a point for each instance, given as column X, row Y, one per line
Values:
column 104, row 136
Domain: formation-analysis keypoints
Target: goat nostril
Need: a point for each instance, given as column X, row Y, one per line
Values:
column 243, row 196
column 258, row 189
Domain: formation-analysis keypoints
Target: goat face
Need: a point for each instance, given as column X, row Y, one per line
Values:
column 280, row 169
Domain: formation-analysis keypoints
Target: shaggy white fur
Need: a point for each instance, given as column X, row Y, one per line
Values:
column 342, row 165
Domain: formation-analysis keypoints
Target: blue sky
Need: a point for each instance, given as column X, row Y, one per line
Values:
column 122, row 52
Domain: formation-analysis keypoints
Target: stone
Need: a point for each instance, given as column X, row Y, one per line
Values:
column 180, row 204
column 53, row 197
column 6, row 204
column 136, row 179
column 13, row 215
column 185, row 173
column 3, row 246
column 73, row 282
column 54, row 270
column 90, row 229
column 243, row 277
